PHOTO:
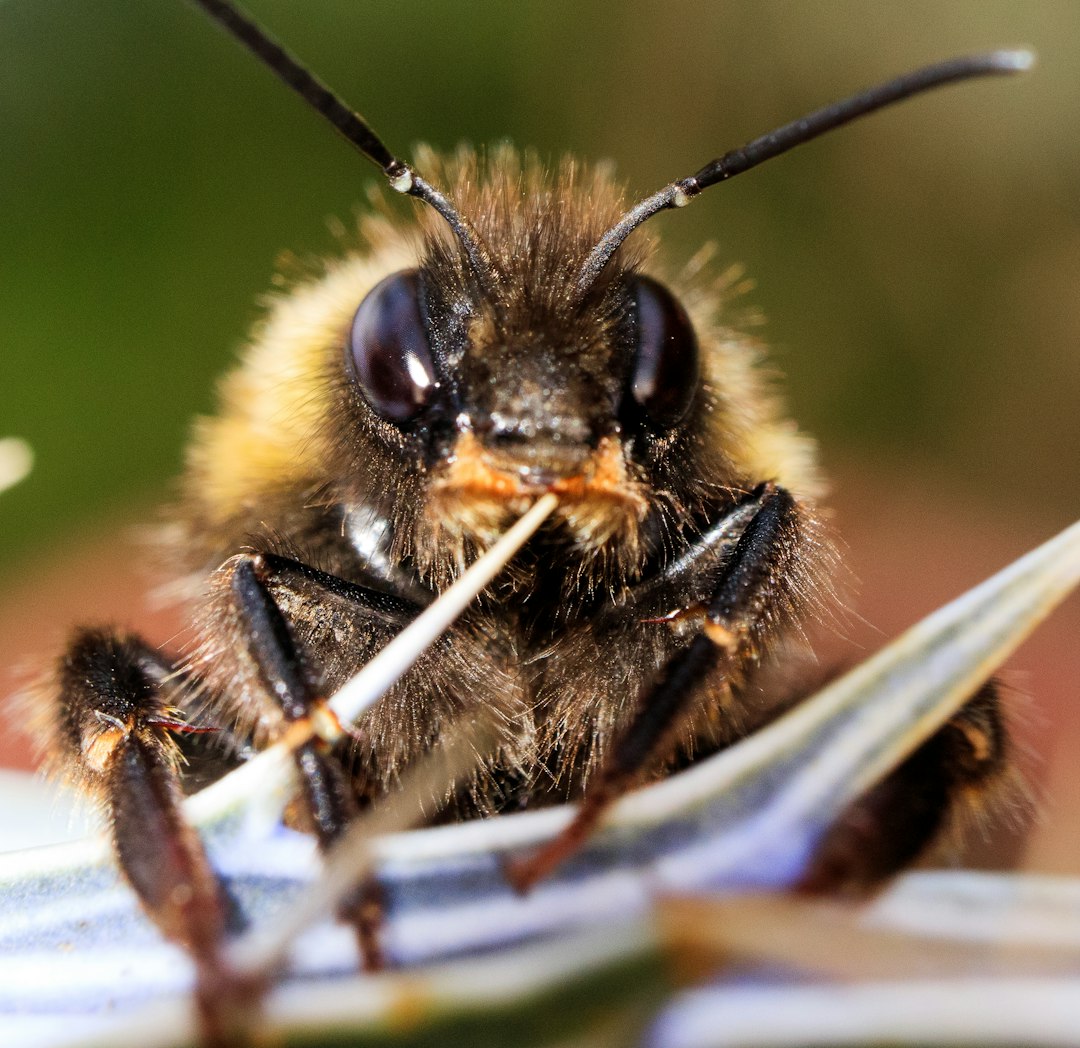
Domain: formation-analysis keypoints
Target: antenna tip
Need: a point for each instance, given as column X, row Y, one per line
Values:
column 1016, row 60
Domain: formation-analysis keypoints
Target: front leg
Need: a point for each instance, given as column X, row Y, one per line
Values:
column 276, row 636
column 294, row 687
column 750, row 596
column 112, row 730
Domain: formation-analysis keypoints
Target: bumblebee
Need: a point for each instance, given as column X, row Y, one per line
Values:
column 391, row 417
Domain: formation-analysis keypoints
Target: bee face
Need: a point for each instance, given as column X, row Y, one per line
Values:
column 490, row 396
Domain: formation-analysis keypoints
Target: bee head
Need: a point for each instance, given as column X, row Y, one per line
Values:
column 524, row 350
column 499, row 387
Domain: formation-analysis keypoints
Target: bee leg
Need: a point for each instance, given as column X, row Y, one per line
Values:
column 893, row 823
column 116, row 728
column 744, row 599
column 332, row 806
column 326, row 794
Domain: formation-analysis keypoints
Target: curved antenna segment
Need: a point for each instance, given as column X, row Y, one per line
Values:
column 678, row 194
column 353, row 128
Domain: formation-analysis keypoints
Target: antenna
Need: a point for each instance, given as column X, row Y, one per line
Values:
column 353, row 128
column 735, row 162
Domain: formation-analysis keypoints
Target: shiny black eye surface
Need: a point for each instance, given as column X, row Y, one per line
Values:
column 389, row 350
column 664, row 377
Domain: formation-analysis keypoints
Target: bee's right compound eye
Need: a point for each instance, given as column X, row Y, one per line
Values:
column 665, row 375
column 389, row 350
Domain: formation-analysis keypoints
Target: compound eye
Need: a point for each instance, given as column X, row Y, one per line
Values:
column 665, row 373
column 389, row 350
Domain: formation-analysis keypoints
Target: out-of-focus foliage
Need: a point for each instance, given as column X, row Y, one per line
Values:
column 919, row 271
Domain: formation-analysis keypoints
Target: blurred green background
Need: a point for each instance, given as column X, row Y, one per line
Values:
column 919, row 271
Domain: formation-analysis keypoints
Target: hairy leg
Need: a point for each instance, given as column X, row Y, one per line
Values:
column 112, row 729
column 891, row 825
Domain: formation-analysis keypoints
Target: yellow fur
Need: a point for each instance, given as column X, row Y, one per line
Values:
column 274, row 406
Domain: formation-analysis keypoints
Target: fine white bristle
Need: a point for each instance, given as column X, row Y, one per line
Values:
column 394, row 660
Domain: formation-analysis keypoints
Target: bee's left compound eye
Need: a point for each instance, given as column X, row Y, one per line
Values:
column 389, row 350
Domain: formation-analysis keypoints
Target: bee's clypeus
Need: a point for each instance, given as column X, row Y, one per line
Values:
column 390, row 419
